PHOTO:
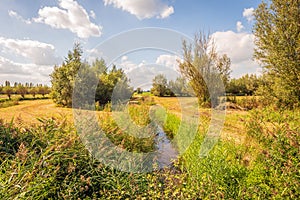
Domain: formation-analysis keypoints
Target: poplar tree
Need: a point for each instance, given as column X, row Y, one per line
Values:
column 277, row 40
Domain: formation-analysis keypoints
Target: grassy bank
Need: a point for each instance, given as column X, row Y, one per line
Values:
column 48, row 160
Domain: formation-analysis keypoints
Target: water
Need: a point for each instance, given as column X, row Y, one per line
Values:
column 166, row 150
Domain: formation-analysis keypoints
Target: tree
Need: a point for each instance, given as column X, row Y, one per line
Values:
column 21, row 90
column 7, row 83
column 43, row 90
column 159, row 85
column 99, row 66
column 8, row 91
column 33, row 91
column 139, row 90
column 277, row 33
column 203, row 67
column 179, row 87
column 113, row 83
column 223, row 67
column 63, row 77
column 246, row 85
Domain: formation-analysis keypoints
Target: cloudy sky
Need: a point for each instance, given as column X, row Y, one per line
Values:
column 35, row 35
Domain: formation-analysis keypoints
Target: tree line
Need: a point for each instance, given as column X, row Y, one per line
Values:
column 162, row 87
column 247, row 85
column 24, row 89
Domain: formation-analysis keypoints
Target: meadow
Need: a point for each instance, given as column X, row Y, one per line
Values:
column 43, row 157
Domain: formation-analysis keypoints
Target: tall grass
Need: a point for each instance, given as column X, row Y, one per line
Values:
column 49, row 161
column 278, row 133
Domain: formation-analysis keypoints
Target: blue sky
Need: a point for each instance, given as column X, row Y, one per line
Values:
column 36, row 35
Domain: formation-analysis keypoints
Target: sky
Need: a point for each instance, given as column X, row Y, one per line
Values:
column 36, row 35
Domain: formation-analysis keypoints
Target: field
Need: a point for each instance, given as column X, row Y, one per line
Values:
column 27, row 112
column 43, row 157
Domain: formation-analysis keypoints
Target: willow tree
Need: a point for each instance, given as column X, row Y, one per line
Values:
column 277, row 40
column 206, row 71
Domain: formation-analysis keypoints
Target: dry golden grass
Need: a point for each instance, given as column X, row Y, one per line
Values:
column 27, row 112
column 233, row 129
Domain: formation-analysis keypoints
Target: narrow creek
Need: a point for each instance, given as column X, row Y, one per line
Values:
column 166, row 150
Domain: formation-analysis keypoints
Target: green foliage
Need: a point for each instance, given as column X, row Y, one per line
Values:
column 33, row 91
column 121, row 130
column 246, row 85
column 8, row 91
column 50, row 162
column 63, row 79
column 113, row 84
column 159, row 85
column 21, row 90
column 277, row 33
column 278, row 134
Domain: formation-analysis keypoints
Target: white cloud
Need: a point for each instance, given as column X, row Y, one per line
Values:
column 69, row 15
column 239, row 47
column 20, row 72
column 93, row 14
column 18, row 17
column 239, row 26
column 37, row 52
column 141, row 73
column 128, row 65
column 143, row 9
column 9, row 67
column 124, row 58
column 249, row 14
column 170, row 61
column 166, row 12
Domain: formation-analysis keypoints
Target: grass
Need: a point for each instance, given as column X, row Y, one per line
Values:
column 14, row 100
column 18, row 97
column 256, row 157
column 6, row 104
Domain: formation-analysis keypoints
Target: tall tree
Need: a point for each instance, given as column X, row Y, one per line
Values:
column 159, row 85
column 63, row 77
column 7, row 83
column 8, row 91
column 204, row 68
column 277, row 33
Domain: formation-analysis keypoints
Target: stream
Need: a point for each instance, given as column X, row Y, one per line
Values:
column 166, row 150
